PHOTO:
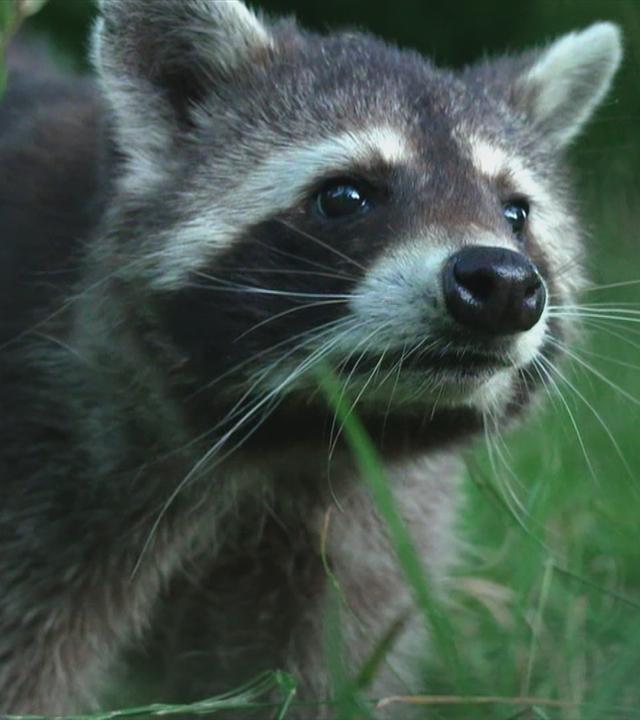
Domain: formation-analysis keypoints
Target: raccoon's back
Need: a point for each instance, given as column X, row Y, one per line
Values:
column 50, row 187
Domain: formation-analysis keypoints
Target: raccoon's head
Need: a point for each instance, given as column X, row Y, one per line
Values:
column 288, row 199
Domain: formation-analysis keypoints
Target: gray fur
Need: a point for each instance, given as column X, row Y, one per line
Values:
column 143, row 504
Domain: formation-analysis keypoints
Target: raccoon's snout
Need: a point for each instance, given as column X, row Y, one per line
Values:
column 494, row 290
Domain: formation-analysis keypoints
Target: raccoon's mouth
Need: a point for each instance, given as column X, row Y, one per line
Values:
column 457, row 362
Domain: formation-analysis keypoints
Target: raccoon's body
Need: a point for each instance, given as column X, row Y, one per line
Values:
column 239, row 204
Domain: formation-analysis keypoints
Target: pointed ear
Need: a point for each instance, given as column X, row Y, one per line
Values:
column 569, row 79
column 158, row 58
column 558, row 88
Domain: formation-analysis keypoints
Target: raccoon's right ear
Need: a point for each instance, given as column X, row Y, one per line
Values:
column 158, row 58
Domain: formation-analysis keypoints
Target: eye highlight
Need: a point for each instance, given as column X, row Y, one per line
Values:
column 516, row 213
column 342, row 198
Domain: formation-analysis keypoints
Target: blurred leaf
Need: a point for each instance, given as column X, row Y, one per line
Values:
column 7, row 12
column 30, row 7
column 12, row 13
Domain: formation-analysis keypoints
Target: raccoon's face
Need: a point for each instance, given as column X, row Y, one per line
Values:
column 290, row 200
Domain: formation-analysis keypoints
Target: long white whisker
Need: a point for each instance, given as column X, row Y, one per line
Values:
column 305, row 260
column 70, row 302
column 364, row 341
column 624, row 283
column 596, row 316
column 324, row 245
column 603, row 327
column 229, row 286
column 515, row 505
column 545, row 365
column 393, row 388
column 613, row 310
column 607, row 358
column 595, row 413
column 356, row 401
column 309, row 336
column 596, row 372
column 284, row 313
column 212, row 451
column 347, row 325
column 290, row 271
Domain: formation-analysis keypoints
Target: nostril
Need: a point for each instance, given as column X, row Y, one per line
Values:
column 533, row 289
column 480, row 284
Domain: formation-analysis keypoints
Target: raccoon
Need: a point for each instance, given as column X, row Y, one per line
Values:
column 233, row 205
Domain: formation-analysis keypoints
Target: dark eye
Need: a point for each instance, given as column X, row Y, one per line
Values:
column 342, row 198
column 516, row 212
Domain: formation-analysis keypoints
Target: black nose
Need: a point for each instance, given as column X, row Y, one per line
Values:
column 493, row 290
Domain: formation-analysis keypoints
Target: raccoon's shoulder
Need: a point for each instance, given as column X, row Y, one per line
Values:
column 50, row 184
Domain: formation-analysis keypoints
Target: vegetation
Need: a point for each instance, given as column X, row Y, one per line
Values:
column 544, row 620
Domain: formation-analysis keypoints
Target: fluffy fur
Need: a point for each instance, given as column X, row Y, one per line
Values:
column 170, row 285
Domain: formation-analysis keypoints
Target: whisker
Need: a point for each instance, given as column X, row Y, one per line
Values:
column 595, row 316
column 69, row 302
column 607, row 358
column 594, row 371
column 63, row 345
column 364, row 341
column 628, row 309
column 365, row 385
column 213, row 450
column 309, row 336
column 393, row 388
column 606, row 303
column 595, row 413
column 229, row 286
column 602, row 424
column 603, row 327
column 544, row 363
column 270, row 368
column 305, row 260
column 284, row 313
column 609, row 286
column 324, row 245
column 291, row 271
column 514, row 504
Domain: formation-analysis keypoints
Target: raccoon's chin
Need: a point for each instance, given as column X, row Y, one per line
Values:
column 485, row 388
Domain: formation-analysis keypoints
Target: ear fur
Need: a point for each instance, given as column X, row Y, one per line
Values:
column 157, row 58
column 568, row 80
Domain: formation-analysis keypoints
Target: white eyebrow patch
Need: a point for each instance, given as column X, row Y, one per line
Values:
column 276, row 184
column 299, row 166
column 493, row 161
column 489, row 160
column 282, row 178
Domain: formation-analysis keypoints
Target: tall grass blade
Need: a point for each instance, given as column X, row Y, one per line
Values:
column 374, row 476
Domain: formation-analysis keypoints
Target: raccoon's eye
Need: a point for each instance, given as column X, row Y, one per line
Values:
column 516, row 213
column 342, row 198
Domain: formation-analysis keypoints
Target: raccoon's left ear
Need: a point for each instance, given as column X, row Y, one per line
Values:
column 568, row 80
column 560, row 87
column 158, row 58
